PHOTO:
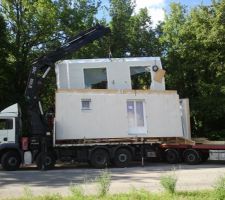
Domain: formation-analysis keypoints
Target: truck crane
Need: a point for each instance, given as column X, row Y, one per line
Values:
column 94, row 131
column 40, row 138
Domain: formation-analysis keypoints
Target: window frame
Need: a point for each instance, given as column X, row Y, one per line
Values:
column 137, row 130
column 150, row 76
column 8, row 123
column 86, row 107
column 95, row 68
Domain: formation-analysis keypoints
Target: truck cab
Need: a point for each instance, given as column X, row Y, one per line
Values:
column 10, row 127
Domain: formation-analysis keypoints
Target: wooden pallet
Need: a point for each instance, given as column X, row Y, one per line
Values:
column 130, row 140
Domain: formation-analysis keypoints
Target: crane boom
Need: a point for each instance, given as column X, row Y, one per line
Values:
column 43, row 65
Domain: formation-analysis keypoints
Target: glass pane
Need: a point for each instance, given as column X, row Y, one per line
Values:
column 2, row 124
column 95, row 78
column 9, row 124
column 140, row 114
column 140, row 78
column 130, row 113
column 85, row 104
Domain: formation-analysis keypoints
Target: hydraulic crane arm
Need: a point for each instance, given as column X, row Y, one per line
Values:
column 42, row 66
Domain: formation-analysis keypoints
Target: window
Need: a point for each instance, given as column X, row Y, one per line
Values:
column 140, row 77
column 86, row 104
column 95, row 78
column 136, row 117
column 6, row 124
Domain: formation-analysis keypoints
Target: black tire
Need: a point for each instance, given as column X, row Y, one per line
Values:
column 99, row 158
column 11, row 161
column 122, row 157
column 191, row 157
column 50, row 161
column 172, row 156
column 204, row 156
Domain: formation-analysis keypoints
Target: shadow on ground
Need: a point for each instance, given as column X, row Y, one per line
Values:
column 72, row 174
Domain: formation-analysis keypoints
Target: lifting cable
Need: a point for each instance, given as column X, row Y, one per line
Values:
column 109, row 48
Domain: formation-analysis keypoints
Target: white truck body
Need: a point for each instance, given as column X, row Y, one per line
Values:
column 7, row 124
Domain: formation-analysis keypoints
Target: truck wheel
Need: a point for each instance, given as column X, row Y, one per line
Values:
column 191, row 157
column 172, row 156
column 122, row 158
column 11, row 161
column 99, row 158
column 204, row 156
column 49, row 161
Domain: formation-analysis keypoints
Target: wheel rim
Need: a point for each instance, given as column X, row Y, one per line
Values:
column 122, row 157
column 171, row 157
column 191, row 157
column 100, row 159
column 48, row 161
column 12, row 161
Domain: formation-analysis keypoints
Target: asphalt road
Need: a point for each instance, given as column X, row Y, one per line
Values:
column 59, row 180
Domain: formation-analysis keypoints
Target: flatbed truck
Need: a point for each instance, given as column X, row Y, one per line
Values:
column 40, row 148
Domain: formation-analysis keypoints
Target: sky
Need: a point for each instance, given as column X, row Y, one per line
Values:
column 157, row 8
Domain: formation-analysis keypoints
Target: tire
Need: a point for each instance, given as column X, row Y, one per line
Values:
column 122, row 158
column 50, row 161
column 204, row 156
column 172, row 156
column 99, row 158
column 191, row 157
column 11, row 161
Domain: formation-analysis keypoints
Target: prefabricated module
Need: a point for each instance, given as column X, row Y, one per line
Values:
column 115, row 100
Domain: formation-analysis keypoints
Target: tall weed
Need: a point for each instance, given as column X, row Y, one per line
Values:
column 104, row 181
column 169, row 182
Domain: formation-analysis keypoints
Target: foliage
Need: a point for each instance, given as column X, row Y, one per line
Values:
column 27, row 193
column 220, row 188
column 135, row 195
column 77, row 192
column 5, row 69
column 31, row 26
column 194, row 59
column 143, row 40
column 120, row 12
column 169, row 183
column 103, row 181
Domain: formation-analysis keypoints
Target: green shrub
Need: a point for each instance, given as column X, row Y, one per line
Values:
column 104, row 181
column 169, row 183
column 77, row 192
column 27, row 193
column 220, row 188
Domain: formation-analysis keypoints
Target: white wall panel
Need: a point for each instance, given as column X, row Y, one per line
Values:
column 118, row 72
column 108, row 115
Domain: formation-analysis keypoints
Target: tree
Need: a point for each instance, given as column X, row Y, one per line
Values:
column 5, row 69
column 77, row 16
column 120, row 12
column 31, row 27
column 37, row 26
column 194, row 60
column 142, row 38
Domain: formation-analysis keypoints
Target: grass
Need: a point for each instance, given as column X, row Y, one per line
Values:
column 219, row 188
column 169, row 182
column 103, row 182
column 132, row 195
